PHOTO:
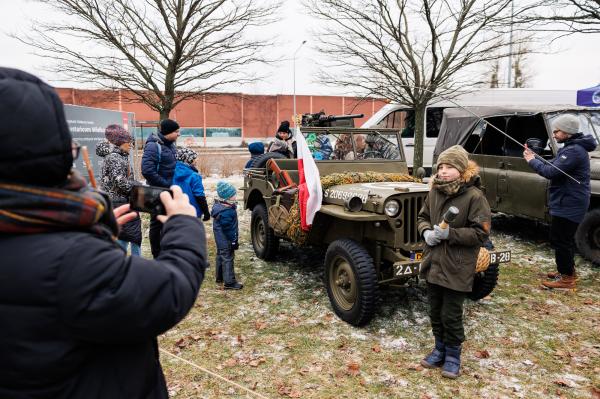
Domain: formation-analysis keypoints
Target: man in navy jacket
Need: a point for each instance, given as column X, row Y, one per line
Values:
column 568, row 199
column 158, row 168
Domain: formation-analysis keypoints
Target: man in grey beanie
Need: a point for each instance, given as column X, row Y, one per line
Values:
column 568, row 199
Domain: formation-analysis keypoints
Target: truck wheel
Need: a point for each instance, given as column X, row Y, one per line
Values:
column 264, row 241
column 484, row 282
column 261, row 160
column 588, row 236
column 351, row 281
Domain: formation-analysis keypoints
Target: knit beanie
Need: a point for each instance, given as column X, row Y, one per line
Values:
column 455, row 156
column 168, row 126
column 567, row 123
column 186, row 155
column 116, row 135
column 225, row 190
column 284, row 127
column 256, row 148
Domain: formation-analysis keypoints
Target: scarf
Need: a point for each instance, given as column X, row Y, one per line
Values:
column 450, row 187
column 28, row 209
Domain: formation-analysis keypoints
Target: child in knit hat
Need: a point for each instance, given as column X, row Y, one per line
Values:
column 450, row 256
column 187, row 177
column 225, row 229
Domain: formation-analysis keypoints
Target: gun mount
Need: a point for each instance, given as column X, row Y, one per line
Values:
column 320, row 119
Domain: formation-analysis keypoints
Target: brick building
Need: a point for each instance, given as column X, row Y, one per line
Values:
column 224, row 116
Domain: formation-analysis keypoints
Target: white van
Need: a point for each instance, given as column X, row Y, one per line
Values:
column 402, row 117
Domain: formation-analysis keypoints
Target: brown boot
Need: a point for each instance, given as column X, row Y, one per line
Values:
column 554, row 275
column 562, row 282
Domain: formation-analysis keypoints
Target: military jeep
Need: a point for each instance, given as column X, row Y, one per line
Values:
column 368, row 224
column 511, row 186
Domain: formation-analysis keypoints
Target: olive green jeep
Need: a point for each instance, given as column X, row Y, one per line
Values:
column 511, row 186
column 367, row 221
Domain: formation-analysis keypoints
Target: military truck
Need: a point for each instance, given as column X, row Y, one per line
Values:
column 367, row 221
column 511, row 186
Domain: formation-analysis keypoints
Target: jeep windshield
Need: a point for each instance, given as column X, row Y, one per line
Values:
column 327, row 144
column 589, row 122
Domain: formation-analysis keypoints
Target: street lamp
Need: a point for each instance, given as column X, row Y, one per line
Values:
column 294, row 69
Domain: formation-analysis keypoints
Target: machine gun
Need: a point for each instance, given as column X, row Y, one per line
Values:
column 320, row 119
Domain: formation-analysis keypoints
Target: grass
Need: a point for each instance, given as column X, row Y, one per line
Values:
column 279, row 336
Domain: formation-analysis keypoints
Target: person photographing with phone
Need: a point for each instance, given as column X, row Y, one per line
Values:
column 79, row 317
column 455, row 222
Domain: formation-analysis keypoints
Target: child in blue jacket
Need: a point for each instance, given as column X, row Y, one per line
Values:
column 225, row 229
column 187, row 177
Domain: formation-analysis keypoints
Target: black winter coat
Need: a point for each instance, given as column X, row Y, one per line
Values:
column 79, row 319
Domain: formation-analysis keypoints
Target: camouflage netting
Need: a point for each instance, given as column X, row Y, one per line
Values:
column 295, row 232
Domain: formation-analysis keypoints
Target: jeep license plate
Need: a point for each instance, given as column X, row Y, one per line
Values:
column 409, row 269
column 499, row 257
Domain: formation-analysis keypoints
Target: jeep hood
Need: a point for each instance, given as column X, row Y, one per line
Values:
column 370, row 192
column 595, row 165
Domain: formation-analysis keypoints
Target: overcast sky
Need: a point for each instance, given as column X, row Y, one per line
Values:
column 572, row 62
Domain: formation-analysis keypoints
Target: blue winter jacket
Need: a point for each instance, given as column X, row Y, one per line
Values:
column 567, row 198
column 225, row 224
column 168, row 157
column 187, row 177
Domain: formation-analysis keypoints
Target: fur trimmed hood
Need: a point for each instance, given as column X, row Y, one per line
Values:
column 471, row 172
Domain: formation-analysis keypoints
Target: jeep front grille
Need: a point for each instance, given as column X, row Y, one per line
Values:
column 410, row 210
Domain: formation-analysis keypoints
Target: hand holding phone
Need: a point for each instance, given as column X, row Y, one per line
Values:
column 147, row 199
column 176, row 203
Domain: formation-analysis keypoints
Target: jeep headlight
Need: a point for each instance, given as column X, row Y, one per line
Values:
column 392, row 208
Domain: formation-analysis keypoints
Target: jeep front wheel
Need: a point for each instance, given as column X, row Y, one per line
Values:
column 588, row 236
column 351, row 281
column 264, row 241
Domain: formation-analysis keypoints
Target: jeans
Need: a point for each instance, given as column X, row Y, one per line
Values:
column 445, row 313
column 224, row 265
column 135, row 249
column 562, row 239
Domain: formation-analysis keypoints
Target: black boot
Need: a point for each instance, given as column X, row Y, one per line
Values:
column 451, row 367
column 436, row 357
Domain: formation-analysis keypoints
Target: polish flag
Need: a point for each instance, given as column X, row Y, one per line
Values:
column 310, row 193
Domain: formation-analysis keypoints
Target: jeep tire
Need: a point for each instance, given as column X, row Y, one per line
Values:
column 484, row 282
column 351, row 281
column 264, row 241
column 261, row 160
column 587, row 236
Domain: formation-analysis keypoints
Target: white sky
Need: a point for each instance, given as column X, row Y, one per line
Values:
column 571, row 63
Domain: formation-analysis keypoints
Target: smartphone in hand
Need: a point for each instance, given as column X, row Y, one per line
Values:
column 147, row 199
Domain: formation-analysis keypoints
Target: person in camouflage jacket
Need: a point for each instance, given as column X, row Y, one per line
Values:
column 117, row 180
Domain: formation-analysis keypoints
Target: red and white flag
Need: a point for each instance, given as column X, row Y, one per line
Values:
column 310, row 193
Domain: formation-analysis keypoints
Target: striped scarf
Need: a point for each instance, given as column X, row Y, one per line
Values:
column 28, row 209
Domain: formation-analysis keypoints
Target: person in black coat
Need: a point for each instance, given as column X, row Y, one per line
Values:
column 158, row 168
column 79, row 318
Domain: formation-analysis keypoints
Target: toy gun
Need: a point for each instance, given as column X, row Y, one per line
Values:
column 320, row 119
column 449, row 217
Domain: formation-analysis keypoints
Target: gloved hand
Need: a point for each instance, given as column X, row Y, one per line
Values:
column 235, row 245
column 430, row 238
column 206, row 217
column 441, row 234
column 203, row 207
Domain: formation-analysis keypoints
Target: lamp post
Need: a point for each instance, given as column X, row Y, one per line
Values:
column 294, row 72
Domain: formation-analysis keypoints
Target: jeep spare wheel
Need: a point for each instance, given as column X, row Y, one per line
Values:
column 351, row 281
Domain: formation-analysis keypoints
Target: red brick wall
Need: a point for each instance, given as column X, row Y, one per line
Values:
column 257, row 115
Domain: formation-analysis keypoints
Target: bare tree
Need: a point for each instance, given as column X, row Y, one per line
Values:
column 410, row 51
column 163, row 51
column 520, row 67
column 494, row 81
column 563, row 16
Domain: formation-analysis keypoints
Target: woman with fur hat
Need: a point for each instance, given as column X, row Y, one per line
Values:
column 284, row 142
column 117, row 180
column 451, row 254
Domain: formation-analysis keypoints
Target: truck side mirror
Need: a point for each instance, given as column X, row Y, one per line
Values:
column 420, row 173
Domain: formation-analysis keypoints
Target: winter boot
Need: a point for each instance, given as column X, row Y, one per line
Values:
column 554, row 275
column 436, row 357
column 451, row 368
column 234, row 286
column 563, row 281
